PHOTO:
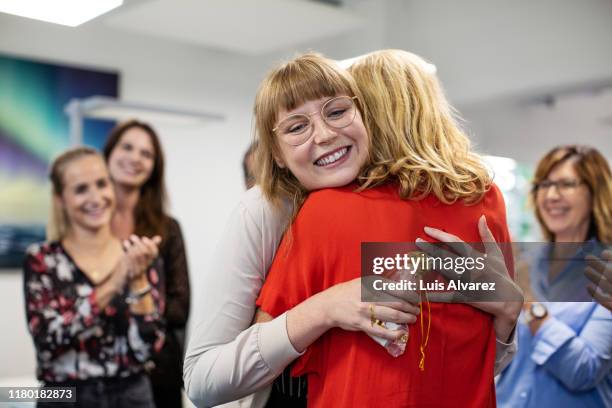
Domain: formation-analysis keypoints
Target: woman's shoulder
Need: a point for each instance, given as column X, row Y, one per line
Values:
column 494, row 196
column 44, row 248
column 173, row 227
column 255, row 200
column 44, row 257
column 254, row 205
column 324, row 196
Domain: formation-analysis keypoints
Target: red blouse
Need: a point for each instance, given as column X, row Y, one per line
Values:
column 349, row 369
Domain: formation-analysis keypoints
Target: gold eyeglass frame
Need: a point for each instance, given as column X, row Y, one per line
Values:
column 320, row 112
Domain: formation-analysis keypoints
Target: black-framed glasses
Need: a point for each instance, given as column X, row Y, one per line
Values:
column 563, row 186
column 337, row 113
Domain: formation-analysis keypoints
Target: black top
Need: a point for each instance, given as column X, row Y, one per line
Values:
column 168, row 370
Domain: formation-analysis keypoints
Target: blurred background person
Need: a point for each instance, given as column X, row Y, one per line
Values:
column 248, row 165
column 565, row 353
column 599, row 272
column 93, row 310
column 136, row 165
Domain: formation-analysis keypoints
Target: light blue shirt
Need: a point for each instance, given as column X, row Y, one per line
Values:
column 570, row 284
column 568, row 362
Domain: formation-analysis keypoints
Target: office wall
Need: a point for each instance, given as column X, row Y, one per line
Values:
column 203, row 162
column 490, row 54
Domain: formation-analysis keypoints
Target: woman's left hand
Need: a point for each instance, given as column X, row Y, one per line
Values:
column 140, row 252
column 599, row 271
column 504, row 302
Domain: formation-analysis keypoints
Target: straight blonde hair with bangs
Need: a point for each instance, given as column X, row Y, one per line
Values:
column 415, row 134
column 307, row 77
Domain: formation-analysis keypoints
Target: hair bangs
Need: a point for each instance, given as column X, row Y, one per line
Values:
column 307, row 79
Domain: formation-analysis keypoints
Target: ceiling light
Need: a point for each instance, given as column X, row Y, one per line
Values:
column 104, row 107
column 427, row 66
column 66, row 12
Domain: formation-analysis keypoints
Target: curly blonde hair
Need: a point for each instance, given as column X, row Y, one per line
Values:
column 415, row 136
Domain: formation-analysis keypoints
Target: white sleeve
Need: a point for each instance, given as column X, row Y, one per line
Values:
column 226, row 357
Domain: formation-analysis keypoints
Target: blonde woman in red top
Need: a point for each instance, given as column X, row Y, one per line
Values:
column 421, row 173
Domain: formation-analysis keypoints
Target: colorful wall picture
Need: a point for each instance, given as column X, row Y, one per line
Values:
column 33, row 130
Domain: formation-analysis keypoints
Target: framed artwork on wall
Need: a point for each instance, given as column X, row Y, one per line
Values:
column 33, row 130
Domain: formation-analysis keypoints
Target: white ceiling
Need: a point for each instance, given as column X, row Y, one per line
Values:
column 525, row 130
column 245, row 26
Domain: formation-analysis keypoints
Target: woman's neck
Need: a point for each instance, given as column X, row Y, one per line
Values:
column 576, row 235
column 127, row 199
column 122, row 223
column 93, row 240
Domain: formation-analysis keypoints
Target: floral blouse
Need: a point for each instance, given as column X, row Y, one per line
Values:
column 74, row 339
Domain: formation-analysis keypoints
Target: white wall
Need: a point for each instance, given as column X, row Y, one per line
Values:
column 491, row 48
column 485, row 51
column 495, row 57
column 204, row 175
column 526, row 131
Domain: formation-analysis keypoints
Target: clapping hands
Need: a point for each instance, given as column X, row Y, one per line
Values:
column 139, row 254
column 599, row 271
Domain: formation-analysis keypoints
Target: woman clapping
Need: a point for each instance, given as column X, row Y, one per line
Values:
column 92, row 302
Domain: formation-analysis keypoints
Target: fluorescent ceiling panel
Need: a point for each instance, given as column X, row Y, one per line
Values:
column 65, row 12
column 109, row 108
column 244, row 26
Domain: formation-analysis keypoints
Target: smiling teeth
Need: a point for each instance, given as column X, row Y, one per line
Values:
column 94, row 211
column 332, row 157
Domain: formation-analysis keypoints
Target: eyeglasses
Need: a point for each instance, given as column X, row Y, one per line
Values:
column 563, row 186
column 337, row 113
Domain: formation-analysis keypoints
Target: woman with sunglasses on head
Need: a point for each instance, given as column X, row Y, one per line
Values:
column 565, row 357
column 136, row 166
column 212, row 355
column 93, row 307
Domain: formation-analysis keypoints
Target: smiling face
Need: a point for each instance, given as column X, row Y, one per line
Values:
column 132, row 160
column 87, row 197
column 331, row 157
column 566, row 212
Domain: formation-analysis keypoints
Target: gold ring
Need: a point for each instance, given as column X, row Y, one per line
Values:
column 373, row 319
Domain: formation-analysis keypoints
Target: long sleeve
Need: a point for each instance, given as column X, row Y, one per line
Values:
column 56, row 319
column 226, row 359
column 177, row 277
column 579, row 360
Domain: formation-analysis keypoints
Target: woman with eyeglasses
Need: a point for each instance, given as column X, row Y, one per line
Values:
column 227, row 360
column 421, row 172
column 565, row 353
